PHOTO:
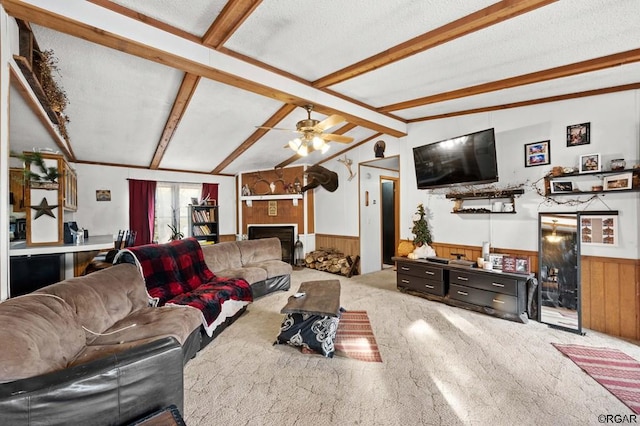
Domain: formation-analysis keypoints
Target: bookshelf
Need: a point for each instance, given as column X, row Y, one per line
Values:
column 203, row 223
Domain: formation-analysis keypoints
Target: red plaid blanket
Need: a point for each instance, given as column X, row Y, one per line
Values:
column 176, row 273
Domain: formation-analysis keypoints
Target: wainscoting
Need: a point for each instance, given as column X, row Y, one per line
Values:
column 610, row 288
column 345, row 244
column 611, row 295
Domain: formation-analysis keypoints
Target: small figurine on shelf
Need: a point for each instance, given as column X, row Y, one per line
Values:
column 245, row 190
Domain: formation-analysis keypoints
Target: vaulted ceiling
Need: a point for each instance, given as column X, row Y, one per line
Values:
column 184, row 85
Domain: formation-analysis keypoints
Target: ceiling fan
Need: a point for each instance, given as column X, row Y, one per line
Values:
column 312, row 136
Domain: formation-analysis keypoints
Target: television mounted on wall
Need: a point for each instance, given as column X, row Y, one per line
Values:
column 463, row 160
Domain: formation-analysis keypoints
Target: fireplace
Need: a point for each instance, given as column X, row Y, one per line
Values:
column 284, row 232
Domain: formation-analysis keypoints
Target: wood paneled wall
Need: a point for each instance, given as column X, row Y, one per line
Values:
column 258, row 213
column 610, row 288
column 611, row 295
column 347, row 245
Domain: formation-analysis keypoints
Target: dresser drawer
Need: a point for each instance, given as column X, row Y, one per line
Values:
column 490, row 281
column 422, row 285
column 474, row 296
column 421, row 270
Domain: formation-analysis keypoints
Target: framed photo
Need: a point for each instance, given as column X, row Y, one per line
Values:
column 617, row 182
column 579, row 134
column 590, row 163
column 194, row 201
column 496, row 260
column 600, row 230
column 508, row 264
column 522, row 265
column 560, row 186
column 103, row 195
column 537, row 154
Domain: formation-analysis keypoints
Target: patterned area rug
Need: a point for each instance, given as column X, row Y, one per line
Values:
column 355, row 338
column 616, row 371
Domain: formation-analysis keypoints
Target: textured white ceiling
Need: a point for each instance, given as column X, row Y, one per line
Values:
column 311, row 39
column 120, row 103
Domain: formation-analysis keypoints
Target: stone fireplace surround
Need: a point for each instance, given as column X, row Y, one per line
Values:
column 286, row 233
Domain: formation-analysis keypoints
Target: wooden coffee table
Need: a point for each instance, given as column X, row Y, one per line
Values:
column 311, row 321
column 321, row 298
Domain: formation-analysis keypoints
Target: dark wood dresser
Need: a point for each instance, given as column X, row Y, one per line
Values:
column 497, row 293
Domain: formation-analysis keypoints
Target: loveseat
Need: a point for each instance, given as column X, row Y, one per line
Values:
column 90, row 350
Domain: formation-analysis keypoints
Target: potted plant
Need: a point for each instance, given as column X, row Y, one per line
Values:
column 175, row 233
column 46, row 178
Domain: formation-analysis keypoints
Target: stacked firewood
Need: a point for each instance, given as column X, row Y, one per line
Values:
column 332, row 260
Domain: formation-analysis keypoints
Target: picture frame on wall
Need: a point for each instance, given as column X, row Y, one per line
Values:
column 618, row 182
column 599, row 229
column 590, row 163
column 579, row 134
column 537, row 153
column 103, row 195
column 561, row 186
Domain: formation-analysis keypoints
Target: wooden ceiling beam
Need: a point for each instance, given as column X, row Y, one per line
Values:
column 234, row 13
column 341, row 131
column 185, row 93
column 494, row 14
column 597, row 64
column 557, row 98
column 191, row 57
column 114, row 7
column 255, row 137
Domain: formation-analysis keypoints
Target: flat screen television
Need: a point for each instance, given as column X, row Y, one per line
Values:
column 464, row 160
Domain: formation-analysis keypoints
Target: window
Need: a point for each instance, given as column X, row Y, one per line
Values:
column 172, row 201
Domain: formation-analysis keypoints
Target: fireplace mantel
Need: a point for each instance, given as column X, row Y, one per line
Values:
column 250, row 198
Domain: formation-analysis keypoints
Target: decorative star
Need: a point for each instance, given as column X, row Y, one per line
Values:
column 44, row 208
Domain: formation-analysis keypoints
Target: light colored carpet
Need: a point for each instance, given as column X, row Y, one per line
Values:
column 441, row 366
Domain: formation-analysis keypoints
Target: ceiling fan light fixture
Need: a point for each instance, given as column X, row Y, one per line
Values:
column 318, row 142
column 303, row 150
column 325, row 148
column 295, row 144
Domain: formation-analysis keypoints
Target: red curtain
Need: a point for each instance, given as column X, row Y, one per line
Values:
column 142, row 199
column 210, row 189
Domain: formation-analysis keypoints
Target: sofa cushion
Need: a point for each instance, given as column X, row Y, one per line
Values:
column 102, row 298
column 39, row 334
column 254, row 251
column 274, row 268
column 153, row 322
column 222, row 256
column 250, row 274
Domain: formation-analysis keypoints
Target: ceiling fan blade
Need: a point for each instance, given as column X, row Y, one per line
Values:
column 336, row 138
column 328, row 122
column 275, row 128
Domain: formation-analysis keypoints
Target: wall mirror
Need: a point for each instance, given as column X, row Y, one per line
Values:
column 559, row 271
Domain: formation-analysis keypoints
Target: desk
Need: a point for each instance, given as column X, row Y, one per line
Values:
column 311, row 321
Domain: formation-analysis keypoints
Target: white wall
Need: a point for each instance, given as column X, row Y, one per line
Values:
column 107, row 217
column 615, row 133
column 336, row 213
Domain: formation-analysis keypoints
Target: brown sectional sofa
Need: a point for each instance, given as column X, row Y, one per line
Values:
column 91, row 350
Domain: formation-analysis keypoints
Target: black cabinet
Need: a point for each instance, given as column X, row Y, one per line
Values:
column 30, row 273
column 498, row 293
